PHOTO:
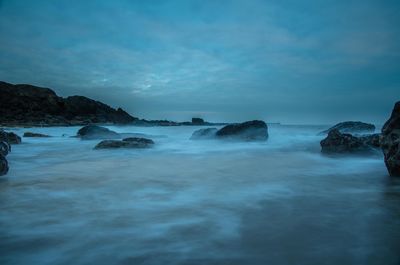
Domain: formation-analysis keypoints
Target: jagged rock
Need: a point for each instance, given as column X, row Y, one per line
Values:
column 352, row 127
column 207, row 133
column 91, row 132
column 31, row 105
column 132, row 142
column 390, row 142
column 3, row 165
column 31, row 134
column 250, row 130
column 337, row 142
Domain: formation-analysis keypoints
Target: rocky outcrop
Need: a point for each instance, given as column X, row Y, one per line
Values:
column 337, row 142
column 5, row 148
column 132, row 142
column 91, row 132
column 207, row 133
column 390, row 142
column 31, row 105
column 31, row 134
column 249, row 131
column 352, row 127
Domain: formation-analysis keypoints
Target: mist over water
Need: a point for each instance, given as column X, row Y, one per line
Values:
column 196, row 202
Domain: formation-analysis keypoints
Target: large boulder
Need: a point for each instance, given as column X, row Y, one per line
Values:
column 352, row 127
column 31, row 134
column 390, row 142
column 337, row 142
column 249, row 131
column 3, row 165
column 206, row 133
column 91, row 132
column 132, row 142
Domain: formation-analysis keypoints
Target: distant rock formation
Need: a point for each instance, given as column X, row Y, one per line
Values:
column 390, row 142
column 337, row 142
column 91, row 132
column 351, row 127
column 249, row 131
column 197, row 121
column 32, row 105
column 207, row 133
column 131, row 142
column 39, row 135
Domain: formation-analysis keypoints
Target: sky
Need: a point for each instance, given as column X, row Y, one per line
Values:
column 288, row 61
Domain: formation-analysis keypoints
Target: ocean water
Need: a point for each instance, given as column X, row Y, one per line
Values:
column 196, row 202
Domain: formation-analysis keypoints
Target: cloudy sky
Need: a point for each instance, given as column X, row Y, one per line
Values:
column 286, row 60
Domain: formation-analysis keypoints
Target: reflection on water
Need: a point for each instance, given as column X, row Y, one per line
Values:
column 196, row 202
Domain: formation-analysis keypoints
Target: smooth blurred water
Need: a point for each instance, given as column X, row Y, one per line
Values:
column 196, row 202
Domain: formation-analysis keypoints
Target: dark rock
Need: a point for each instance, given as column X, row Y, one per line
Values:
column 31, row 134
column 197, row 121
column 31, row 105
column 5, row 148
column 372, row 140
column 3, row 165
column 390, row 142
column 10, row 137
column 337, row 142
column 352, row 127
column 90, row 132
column 207, row 133
column 250, row 130
column 132, row 142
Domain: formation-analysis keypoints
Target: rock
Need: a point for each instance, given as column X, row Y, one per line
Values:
column 207, row 133
column 32, row 105
column 132, row 142
column 390, row 142
column 31, row 134
column 352, row 127
column 372, row 140
column 3, row 165
column 250, row 130
column 197, row 121
column 337, row 142
column 90, row 132
column 5, row 148
column 10, row 137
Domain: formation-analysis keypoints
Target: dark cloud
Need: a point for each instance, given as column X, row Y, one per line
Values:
column 292, row 61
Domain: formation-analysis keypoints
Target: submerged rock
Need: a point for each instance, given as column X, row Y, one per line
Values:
column 352, row 127
column 3, row 165
column 207, row 133
column 337, row 142
column 250, row 130
column 390, row 142
column 132, row 142
column 91, row 132
column 31, row 134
